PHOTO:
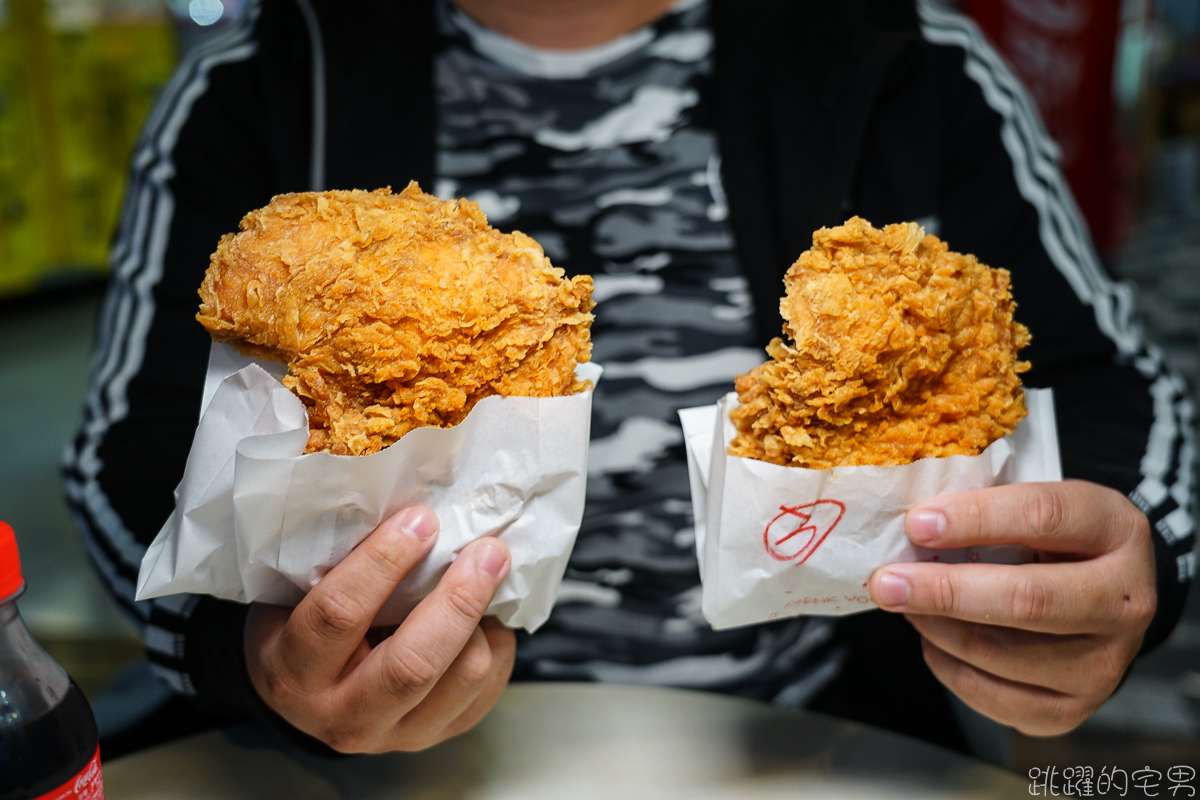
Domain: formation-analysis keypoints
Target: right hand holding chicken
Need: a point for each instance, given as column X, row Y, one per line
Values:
column 434, row 678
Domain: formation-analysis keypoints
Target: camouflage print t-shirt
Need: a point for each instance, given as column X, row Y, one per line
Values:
column 608, row 157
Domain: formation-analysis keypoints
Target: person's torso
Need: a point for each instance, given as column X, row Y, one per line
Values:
column 609, row 158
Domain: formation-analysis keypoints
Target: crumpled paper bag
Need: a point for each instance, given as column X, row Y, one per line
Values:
column 776, row 542
column 255, row 519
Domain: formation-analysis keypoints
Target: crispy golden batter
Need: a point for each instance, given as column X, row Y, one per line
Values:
column 901, row 350
column 394, row 311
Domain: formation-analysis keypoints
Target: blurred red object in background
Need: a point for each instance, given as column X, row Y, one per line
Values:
column 1064, row 51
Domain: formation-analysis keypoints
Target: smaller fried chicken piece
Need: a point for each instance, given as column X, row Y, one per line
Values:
column 901, row 349
column 394, row 312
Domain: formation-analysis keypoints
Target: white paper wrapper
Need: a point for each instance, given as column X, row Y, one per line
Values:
column 255, row 519
column 776, row 542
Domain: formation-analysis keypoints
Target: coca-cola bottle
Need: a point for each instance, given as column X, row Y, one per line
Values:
column 49, row 748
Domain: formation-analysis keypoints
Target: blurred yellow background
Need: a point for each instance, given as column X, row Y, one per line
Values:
column 77, row 79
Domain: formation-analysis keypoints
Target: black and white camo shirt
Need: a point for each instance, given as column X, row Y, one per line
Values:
column 608, row 158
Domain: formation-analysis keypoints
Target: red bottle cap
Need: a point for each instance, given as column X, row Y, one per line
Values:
column 11, row 581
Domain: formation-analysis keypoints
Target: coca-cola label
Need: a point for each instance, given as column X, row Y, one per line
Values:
column 88, row 784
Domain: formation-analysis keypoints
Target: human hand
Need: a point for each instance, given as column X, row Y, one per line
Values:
column 435, row 677
column 1037, row 646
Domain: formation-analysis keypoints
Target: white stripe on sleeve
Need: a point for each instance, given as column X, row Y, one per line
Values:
column 1065, row 237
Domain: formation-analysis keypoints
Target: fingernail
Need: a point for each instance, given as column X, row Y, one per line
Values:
column 419, row 523
column 491, row 560
column 892, row 590
column 925, row 525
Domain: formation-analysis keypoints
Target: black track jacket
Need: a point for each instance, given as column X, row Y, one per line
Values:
column 883, row 108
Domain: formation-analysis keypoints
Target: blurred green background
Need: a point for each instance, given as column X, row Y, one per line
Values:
column 77, row 79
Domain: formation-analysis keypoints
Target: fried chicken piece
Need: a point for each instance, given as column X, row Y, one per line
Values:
column 394, row 312
column 901, row 349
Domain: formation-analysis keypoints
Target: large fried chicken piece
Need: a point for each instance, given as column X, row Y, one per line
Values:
column 900, row 350
column 394, row 311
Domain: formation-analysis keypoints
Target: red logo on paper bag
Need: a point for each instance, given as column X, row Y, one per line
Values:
column 798, row 531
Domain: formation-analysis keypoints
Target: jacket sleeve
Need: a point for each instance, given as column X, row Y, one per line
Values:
column 199, row 165
column 1125, row 420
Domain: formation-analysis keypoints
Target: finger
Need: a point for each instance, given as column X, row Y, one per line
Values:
column 454, row 693
column 504, row 650
column 330, row 622
column 1082, row 597
column 399, row 673
column 260, row 641
column 1066, row 517
column 1051, row 661
column 465, row 693
column 1032, row 710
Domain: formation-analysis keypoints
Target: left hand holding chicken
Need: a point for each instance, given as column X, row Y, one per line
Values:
column 1037, row 646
